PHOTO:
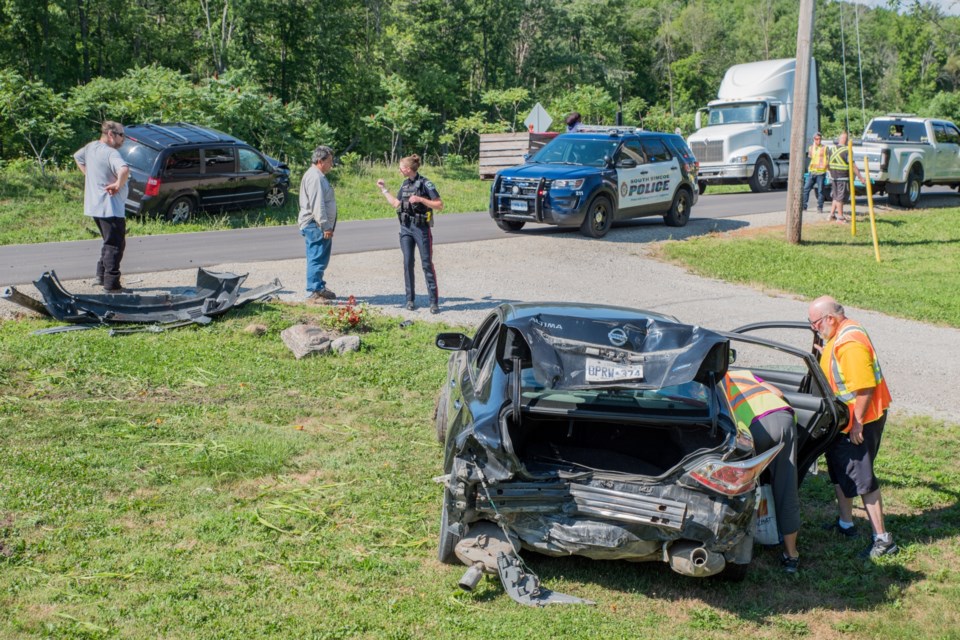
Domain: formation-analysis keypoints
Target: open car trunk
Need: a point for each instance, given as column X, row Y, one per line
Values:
column 546, row 445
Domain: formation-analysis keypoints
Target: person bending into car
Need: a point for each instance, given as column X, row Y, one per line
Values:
column 415, row 203
column 104, row 194
column 317, row 220
column 850, row 363
column 759, row 407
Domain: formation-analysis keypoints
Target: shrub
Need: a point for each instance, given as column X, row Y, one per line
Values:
column 348, row 317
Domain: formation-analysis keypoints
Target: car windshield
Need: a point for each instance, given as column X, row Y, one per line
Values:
column 691, row 398
column 576, row 150
column 896, row 131
column 737, row 113
column 138, row 156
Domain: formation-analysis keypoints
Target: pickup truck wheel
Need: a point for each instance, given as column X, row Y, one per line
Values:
column 511, row 225
column 599, row 218
column 680, row 211
column 762, row 176
column 911, row 196
column 701, row 187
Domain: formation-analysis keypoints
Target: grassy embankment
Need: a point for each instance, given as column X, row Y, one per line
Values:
column 204, row 484
column 50, row 209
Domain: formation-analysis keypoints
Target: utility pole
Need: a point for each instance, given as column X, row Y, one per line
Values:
column 798, row 135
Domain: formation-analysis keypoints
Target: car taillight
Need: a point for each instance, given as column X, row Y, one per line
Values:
column 732, row 478
column 153, row 187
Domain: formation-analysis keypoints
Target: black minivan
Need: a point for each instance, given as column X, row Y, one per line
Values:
column 178, row 168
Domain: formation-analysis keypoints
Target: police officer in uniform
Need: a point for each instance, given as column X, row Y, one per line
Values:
column 415, row 203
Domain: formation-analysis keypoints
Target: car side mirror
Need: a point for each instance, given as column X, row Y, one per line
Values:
column 453, row 342
column 608, row 161
column 627, row 163
column 526, row 157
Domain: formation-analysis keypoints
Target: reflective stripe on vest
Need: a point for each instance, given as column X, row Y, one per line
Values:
column 851, row 331
column 818, row 158
column 748, row 398
column 837, row 162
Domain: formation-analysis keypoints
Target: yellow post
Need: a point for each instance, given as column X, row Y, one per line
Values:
column 853, row 191
column 873, row 218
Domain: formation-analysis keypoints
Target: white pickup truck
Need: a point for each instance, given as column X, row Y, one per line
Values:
column 906, row 152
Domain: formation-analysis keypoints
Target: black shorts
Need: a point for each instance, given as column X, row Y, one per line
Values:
column 840, row 189
column 851, row 465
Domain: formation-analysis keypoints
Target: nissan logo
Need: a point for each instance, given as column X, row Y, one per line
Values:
column 618, row 337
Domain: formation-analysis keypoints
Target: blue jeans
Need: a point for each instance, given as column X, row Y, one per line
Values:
column 814, row 179
column 318, row 256
column 419, row 237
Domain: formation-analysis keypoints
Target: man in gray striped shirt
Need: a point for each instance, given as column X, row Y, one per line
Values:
column 317, row 220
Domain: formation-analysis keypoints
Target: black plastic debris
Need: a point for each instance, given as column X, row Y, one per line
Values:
column 213, row 295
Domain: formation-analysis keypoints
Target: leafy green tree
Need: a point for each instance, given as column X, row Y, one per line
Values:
column 401, row 115
column 592, row 102
column 506, row 102
column 36, row 113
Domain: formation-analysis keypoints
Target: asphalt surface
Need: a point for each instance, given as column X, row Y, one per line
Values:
column 920, row 361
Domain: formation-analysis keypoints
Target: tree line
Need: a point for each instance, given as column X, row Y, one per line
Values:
column 377, row 78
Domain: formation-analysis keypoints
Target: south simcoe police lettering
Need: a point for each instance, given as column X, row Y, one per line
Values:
column 649, row 186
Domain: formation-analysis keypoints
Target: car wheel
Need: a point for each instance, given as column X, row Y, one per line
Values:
column 180, row 210
column 599, row 218
column 679, row 213
column 448, row 540
column 511, row 225
column 701, row 187
column 762, row 176
column 911, row 197
column 276, row 196
column 440, row 413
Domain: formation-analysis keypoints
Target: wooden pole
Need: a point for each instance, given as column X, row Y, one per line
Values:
column 798, row 134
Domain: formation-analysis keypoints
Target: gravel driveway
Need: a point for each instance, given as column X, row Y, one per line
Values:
column 920, row 361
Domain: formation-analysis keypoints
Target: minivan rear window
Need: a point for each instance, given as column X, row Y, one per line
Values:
column 138, row 156
column 186, row 162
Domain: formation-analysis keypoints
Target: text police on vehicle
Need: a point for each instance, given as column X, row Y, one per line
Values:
column 591, row 179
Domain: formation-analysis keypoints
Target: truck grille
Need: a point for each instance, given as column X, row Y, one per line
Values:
column 711, row 151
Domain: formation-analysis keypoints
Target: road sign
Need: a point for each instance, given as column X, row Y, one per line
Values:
column 538, row 119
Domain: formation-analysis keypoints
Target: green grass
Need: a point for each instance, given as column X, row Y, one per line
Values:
column 35, row 208
column 202, row 483
column 918, row 275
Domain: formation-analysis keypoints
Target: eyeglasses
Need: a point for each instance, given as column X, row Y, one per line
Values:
column 814, row 323
column 118, row 133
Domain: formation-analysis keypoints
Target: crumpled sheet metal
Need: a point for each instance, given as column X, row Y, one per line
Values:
column 214, row 295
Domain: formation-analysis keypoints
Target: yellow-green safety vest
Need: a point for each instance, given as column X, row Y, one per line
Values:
column 818, row 158
column 749, row 399
column 837, row 162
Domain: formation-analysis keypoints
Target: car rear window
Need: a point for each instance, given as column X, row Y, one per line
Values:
column 138, row 156
column 896, row 131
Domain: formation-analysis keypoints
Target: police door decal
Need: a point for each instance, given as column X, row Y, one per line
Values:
column 647, row 183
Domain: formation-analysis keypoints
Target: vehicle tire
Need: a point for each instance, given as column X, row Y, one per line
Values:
column 440, row 413
column 276, row 197
column 447, row 541
column 511, row 225
column 599, row 218
column 762, row 177
column 679, row 212
column 911, row 196
column 180, row 210
column 702, row 187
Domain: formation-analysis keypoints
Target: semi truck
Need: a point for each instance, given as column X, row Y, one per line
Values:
column 744, row 135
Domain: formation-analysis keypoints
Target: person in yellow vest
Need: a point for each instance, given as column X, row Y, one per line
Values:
column 759, row 407
column 816, row 173
column 839, row 167
column 852, row 368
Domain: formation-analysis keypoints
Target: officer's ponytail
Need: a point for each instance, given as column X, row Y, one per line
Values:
column 411, row 162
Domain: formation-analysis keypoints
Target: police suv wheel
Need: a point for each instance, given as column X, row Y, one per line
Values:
column 679, row 213
column 511, row 225
column 599, row 218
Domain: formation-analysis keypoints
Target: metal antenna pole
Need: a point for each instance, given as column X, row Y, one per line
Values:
column 843, row 57
column 863, row 102
column 799, row 133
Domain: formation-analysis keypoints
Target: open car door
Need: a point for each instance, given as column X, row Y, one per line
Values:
column 783, row 354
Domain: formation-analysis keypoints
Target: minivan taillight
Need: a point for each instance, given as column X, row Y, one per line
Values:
column 153, row 187
column 732, row 478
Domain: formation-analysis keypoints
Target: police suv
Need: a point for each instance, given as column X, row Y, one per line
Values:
column 590, row 179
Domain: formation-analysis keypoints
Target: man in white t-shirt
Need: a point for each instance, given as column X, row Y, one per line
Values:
column 104, row 194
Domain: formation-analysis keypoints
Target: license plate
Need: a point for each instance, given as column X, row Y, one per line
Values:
column 605, row 371
column 518, row 205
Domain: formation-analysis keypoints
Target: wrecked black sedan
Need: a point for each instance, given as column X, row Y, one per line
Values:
column 605, row 432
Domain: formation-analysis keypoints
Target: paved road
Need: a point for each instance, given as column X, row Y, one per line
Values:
column 21, row 264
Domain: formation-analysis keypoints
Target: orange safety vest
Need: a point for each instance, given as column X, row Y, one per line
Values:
column 749, row 399
column 851, row 331
column 818, row 159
